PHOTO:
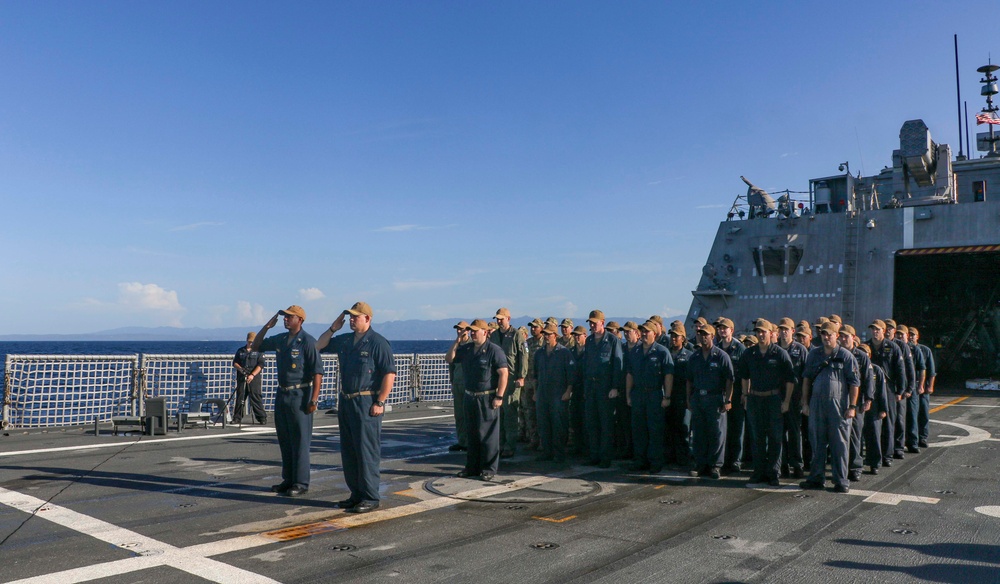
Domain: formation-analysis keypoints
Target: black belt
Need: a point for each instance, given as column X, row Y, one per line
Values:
column 764, row 393
column 354, row 395
column 302, row 385
column 477, row 393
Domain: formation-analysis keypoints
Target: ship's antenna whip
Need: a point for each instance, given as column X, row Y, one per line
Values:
column 958, row 90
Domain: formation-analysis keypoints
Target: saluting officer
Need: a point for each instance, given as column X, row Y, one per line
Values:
column 485, row 367
column 768, row 380
column 829, row 396
column 367, row 372
column 458, row 393
column 300, row 375
column 710, row 396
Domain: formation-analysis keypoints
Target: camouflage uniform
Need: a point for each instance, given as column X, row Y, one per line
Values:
column 514, row 346
column 528, row 414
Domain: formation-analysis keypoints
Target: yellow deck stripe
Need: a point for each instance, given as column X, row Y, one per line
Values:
column 951, row 403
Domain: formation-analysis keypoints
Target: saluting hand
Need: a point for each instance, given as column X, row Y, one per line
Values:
column 273, row 321
column 339, row 323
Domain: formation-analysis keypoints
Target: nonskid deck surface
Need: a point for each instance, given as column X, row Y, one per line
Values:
column 197, row 507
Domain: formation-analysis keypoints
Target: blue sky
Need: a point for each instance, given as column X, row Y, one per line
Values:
column 207, row 163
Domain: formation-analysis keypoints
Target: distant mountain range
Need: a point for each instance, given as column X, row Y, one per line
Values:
column 395, row 330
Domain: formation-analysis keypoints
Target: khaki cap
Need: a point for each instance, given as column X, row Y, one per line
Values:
column 613, row 326
column 462, row 325
column 879, row 324
column 846, row 328
column 567, row 322
column 657, row 319
column 805, row 323
column 550, row 329
column 537, row 322
column 595, row 315
column 360, row 308
column 889, row 323
column 803, row 330
column 903, row 329
column 251, row 336
column 579, row 330
column 836, row 318
column 723, row 321
column 701, row 321
column 552, row 320
column 630, row 326
column 678, row 329
column 762, row 325
column 503, row 312
column 828, row 327
column 709, row 329
column 914, row 331
column 649, row 326
column 293, row 310
column 786, row 323
column 821, row 320
column 750, row 340
column 479, row 325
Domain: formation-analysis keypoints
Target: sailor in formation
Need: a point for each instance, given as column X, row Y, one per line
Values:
column 858, row 398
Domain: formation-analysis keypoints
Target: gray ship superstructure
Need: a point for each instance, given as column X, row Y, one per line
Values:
column 919, row 241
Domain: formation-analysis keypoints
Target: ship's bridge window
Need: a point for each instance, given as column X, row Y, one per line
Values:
column 777, row 261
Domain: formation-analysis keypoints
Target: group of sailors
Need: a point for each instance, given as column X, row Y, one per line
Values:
column 781, row 400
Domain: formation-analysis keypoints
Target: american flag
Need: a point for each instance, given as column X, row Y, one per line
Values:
column 987, row 118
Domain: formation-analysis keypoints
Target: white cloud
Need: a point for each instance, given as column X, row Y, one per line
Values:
column 720, row 206
column 308, row 294
column 193, row 226
column 148, row 297
column 250, row 313
column 400, row 228
column 569, row 309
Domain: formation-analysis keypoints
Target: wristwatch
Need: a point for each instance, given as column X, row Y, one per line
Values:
column 378, row 403
column 312, row 403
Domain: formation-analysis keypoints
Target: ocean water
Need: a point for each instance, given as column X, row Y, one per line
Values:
column 166, row 348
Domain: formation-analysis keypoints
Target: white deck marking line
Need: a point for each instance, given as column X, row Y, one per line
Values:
column 149, row 552
column 975, row 435
column 871, row 496
column 194, row 559
column 189, row 438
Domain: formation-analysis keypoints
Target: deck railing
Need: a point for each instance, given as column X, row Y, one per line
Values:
column 67, row 390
